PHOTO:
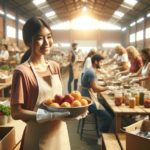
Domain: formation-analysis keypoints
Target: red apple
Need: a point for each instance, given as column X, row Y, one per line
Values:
column 68, row 98
column 58, row 99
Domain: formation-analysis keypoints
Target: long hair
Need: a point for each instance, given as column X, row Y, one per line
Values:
column 31, row 28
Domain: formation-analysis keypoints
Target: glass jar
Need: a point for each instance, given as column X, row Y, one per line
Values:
column 137, row 97
column 118, row 98
column 147, row 100
column 132, row 102
column 126, row 98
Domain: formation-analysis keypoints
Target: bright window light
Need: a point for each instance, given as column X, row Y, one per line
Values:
column 147, row 33
column 119, row 14
column 1, row 12
column 139, row 35
column 140, row 20
column 50, row 14
column 123, row 29
column 62, row 26
column 110, row 45
column 65, row 44
column 131, row 2
column 10, row 32
column 132, row 24
column 20, row 35
column 21, row 21
column 84, row 23
column 38, row 2
column 108, row 26
column 132, row 37
column 148, row 15
column 11, row 16
column 84, row 9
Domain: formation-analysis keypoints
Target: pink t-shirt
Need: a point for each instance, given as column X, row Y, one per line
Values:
column 24, row 88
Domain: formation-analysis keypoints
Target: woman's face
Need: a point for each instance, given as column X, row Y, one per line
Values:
column 42, row 42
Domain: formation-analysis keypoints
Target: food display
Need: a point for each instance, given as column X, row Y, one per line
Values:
column 73, row 102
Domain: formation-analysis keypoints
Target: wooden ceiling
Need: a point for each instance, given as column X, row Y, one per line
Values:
column 68, row 9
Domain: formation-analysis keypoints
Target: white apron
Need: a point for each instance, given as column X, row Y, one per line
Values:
column 52, row 135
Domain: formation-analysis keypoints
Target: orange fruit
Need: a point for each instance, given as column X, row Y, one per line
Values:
column 83, row 101
column 53, row 104
column 76, row 103
column 76, row 95
column 48, row 102
column 65, row 104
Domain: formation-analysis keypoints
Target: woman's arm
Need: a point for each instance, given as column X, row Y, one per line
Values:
column 18, row 112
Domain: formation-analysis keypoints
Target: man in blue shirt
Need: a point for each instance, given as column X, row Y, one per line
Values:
column 90, row 88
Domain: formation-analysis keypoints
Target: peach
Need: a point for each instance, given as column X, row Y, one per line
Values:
column 53, row 104
column 76, row 103
column 65, row 104
column 48, row 102
column 76, row 95
column 83, row 101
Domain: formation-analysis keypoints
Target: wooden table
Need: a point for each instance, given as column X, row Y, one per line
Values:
column 122, row 110
column 4, row 86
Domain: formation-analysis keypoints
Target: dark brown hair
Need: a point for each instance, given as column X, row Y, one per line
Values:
column 32, row 28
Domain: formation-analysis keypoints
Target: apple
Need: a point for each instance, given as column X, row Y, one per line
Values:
column 68, row 98
column 58, row 99
column 76, row 103
column 65, row 104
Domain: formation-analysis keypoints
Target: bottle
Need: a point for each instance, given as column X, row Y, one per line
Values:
column 137, row 98
column 132, row 102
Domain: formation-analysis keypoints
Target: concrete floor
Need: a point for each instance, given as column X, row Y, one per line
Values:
column 89, row 140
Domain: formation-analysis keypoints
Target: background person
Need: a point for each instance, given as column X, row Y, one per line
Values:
column 73, row 68
column 90, row 88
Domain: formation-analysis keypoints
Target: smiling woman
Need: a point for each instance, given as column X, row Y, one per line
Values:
column 34, row 81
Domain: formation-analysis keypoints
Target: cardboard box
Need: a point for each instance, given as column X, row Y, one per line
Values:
column 136, row 142
column 7, row 138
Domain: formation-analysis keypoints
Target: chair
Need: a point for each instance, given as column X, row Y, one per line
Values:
column 90, row 119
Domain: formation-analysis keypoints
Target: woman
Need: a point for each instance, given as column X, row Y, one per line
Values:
column 33, row 82
column 135, row 61
column 87, row 62
column 144, row 73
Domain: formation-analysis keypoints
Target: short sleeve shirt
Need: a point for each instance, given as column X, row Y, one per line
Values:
column 87, row 78
column 24, row 88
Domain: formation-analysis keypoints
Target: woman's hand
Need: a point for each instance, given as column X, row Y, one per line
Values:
column 44, row 115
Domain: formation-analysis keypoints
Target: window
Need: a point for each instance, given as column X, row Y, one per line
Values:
column 147, row 33
column 110, row 45
column 20, row 34
column 10, row 32
column 132, row 37
column 139, row 35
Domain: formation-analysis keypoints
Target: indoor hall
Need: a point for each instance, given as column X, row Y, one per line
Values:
column 71, row 66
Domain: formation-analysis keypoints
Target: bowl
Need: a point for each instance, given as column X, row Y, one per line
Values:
column 74, row 111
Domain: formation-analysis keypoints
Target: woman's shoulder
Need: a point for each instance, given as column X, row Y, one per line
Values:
column 23, row 68
column 54, row 66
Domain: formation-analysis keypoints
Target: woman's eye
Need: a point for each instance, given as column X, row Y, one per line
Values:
column 49, row 37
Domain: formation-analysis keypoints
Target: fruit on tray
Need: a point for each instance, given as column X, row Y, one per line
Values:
column 73, row 99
